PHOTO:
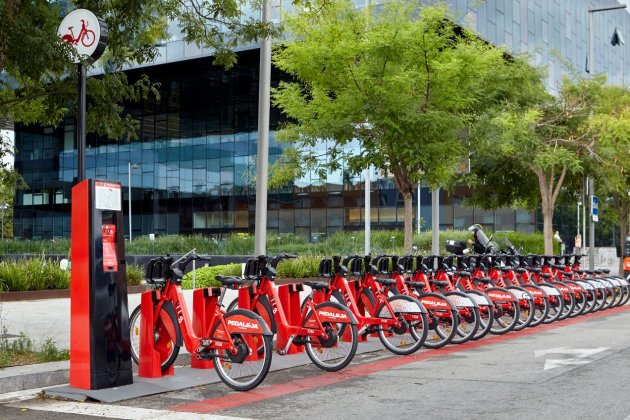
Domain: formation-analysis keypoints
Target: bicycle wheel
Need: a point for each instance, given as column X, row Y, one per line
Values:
column 568, row 298
column 467, row 314
column 541, row 304
column 580, row 299
column 590, row 295
column 88, row 38
column 443, row 320
column 611, row 296
column 245, row 369
column 506, row 310
column 556, row 303
column 486, row 312
column 411, row 333
column 337, row 349
column 526, row 307
column 166, row 335
column 134, row 334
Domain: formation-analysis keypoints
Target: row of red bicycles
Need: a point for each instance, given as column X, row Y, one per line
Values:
column 407, row 302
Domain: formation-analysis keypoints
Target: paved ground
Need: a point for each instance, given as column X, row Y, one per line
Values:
column 573, row 368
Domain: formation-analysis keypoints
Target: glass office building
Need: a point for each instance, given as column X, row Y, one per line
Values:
column 192, row 168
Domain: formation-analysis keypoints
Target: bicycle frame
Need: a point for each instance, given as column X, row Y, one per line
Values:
column 311, row 326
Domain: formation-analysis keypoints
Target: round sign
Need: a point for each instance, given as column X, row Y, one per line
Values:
column 86, row 32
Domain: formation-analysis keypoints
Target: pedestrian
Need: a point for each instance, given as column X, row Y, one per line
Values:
column 577, row 249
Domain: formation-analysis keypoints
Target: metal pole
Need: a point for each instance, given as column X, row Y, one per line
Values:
column 129, row 186
column 419, row 207
column 262, row 169
column 81, row 124
column 435, row 222
column 3, row 222
column 578, row 218
column 585, row 188
column 591, row 230
column 368, row 212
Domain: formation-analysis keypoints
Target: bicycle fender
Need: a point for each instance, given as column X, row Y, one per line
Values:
column 535, row 291
column 404, row 304
column 480, row 298
column 436, row 301
column 499, row 294
column 461, row 299
column 331, row 312
column 242, row 321
column 170, row 311
column 520, row 292
column 264, row 301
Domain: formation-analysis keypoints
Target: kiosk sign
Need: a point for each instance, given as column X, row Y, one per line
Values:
column 86, row 32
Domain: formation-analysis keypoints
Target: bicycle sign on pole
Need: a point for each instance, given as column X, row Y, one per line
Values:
column 88, row 35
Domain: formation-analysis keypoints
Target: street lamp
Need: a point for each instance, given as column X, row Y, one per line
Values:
column 616, row 40
column 130, row 167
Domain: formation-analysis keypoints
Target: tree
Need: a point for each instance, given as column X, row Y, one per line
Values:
column 611, row 120
column 39, row 81
column 549, row 139
column 406, row 83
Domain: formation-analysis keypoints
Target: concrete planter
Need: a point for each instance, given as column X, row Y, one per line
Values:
column 53, row 294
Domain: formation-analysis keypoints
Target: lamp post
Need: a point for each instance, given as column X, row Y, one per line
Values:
column 591, row 61
column 130, row 167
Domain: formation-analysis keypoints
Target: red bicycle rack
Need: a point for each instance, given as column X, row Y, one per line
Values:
column 203, row 312
column 149, row 365
column 290, row 300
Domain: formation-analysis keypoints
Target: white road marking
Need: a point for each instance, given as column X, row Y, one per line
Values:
column 15, row 396
column 574, row 352
column 581, row 354
column 112, row 411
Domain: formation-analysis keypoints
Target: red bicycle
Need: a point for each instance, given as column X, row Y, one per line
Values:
column 399, row 321
column 328, row 331
column 86, row 36
column 238, row 342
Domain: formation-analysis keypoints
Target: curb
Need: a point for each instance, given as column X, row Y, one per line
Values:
column 54, row 294
column 18, row 378
column 40, row 375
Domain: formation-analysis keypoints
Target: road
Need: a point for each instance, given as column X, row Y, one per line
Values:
column 573, row 368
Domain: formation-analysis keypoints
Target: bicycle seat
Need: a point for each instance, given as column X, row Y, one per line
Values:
column 416, row 284
column 605, row 270
column 545, row 275
column 230, row 280
column 535, row 270
column 589, row 271
column 386, row 282
column 579, row 271
column 598, row 272
column 316, row 285
column 506, row 269
column 520, row 270
column 463, row 273
column 566, row 273
column 441, row 283
column 484, row 280
column 558, row 266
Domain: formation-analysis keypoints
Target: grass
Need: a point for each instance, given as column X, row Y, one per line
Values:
column 21, row 351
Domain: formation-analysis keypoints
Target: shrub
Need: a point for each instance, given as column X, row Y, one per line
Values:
column 135, row 275
column 299, row 268
column 205, row 276
column 32, row 274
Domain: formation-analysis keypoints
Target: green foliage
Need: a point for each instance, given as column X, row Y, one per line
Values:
column 32, row 274
column 50, row 353
column 306, row 266
column 176, row 244
column 398, row 89
column 135, row 275
column 205, row 276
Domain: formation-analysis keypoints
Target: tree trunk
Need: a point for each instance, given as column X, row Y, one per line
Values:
column 624, row 208
column 406, row 187
column 548, row 194
column 408, row 200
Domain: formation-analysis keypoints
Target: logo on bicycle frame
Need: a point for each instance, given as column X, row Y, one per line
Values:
column 85, row 32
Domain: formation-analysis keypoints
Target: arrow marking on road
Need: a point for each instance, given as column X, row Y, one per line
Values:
column 579, row 359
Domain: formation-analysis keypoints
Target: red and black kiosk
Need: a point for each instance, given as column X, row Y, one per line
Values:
column 100, row 351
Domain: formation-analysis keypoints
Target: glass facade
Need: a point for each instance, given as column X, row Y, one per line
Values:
column 192, row 168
